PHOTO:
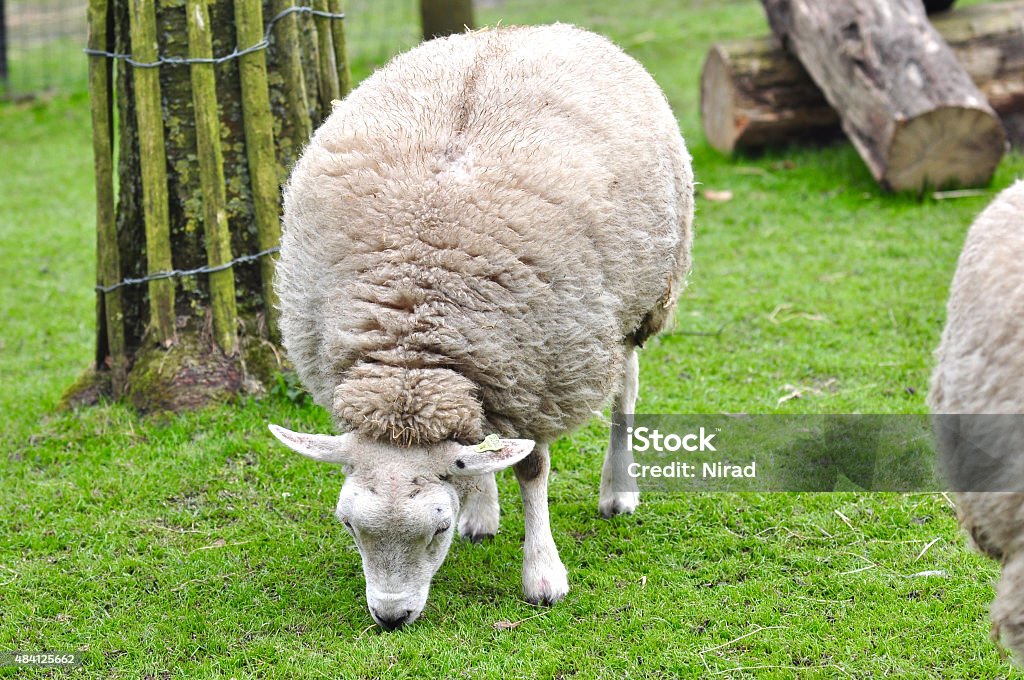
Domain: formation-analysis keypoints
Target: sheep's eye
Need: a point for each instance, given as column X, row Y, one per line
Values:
column 443, row 528
column 348, row 525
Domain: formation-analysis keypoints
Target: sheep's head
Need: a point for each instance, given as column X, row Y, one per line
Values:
column 401, row 506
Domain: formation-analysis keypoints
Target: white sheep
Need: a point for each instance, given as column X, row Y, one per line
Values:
column 977, row 386
column 476, row 241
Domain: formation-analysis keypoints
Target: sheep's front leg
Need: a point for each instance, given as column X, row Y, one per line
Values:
column 619, row 494
column 480, row 511
column 544, row 577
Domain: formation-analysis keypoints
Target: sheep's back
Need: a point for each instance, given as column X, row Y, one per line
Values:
column 511, row 204
column 980, row 373
column 981, row 356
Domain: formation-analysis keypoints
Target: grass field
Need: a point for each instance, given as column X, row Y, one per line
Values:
column 193, row 546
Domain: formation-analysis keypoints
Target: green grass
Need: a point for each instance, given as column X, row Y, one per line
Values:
column 193, row 546
column 56, row 65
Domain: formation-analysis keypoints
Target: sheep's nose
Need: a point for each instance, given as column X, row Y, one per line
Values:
column 391, row 622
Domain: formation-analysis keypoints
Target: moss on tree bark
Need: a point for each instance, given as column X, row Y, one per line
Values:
column 194, row 369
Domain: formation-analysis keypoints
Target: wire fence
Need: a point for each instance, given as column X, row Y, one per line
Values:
column 235, row 54
column 45, row 38
column 44, row 41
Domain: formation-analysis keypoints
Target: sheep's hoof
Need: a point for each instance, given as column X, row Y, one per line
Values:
column 480, row 525
column 544, row 600
column 478, row 538
column 620, row 503
column 546, row 586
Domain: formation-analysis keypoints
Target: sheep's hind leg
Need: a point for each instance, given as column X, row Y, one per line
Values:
column 544, row 577
column 619, row 494
column 480, row 512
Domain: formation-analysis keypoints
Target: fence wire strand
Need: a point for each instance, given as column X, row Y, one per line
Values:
column 235, row 54
column 178, row 61
column 179, row 273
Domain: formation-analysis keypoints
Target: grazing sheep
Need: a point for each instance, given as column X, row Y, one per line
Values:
column 978, row 382
column 475, row 242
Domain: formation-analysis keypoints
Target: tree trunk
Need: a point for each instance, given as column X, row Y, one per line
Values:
column 754, row 93
column 445, row 17
column 195, row 360
column 933, row 6
column 907, row 105
column 3, row 47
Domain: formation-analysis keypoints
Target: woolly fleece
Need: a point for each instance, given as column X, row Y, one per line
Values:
column 981, row 371
column 479, row 232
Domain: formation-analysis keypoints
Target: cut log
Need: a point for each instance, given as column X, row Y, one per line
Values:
column 906, row 103
column 988, row 41
column 754, row 93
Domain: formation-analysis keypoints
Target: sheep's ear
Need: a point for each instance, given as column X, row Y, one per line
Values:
column 322, row 447
column 472, row 461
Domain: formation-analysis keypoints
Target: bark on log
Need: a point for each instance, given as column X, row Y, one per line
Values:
column 340, row 49
column 907, row 105
column 211, row 178
column 109, row 315
column 153, row 162
column 293, row 78
column 329, row 90
column 754, row 93
column 258, row 124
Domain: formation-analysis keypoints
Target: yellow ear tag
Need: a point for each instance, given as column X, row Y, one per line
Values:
column 491, row 442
